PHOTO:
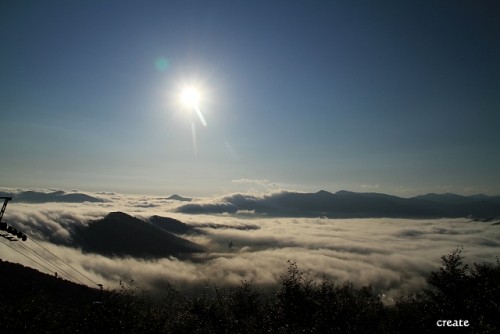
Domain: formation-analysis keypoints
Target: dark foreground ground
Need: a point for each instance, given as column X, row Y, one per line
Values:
column 33, row 302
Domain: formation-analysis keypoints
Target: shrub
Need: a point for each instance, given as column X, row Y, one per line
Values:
column 457, row 291
column 305, row 305
column 301, row 304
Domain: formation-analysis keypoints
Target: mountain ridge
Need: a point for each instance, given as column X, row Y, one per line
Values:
column 176, row 197
column 348, row 204
column 119, row 234
column 59, row 196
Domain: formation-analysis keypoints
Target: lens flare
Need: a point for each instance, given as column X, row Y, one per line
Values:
column 193, row 134
column 200, row 116
column 161, row 64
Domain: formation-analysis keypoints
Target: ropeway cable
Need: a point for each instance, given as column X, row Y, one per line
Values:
column 57, row 257
column 69, row 277
column 52, row 264
column 26, row 256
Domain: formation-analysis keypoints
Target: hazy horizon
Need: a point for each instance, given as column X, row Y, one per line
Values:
column 257, row 191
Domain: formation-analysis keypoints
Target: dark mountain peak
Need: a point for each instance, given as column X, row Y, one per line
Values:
column 379, row 196
column 58, row 193
column 170, row 224
column 324, row 192
column 118, row 215
column 447, row 198
column 344, row 193
column 120, row 234
column 176, row 197
column 443, row 195
column 450, row 195
column 117, row 219
column 32, row 196
column 78, row 198
column 322, row 195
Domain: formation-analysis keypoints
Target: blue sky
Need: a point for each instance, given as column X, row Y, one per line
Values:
column 387, row 96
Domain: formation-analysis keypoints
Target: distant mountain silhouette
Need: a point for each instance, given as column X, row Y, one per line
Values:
column 119, row 234
column 176, row 197
column 170, row 225
column 346, row 204
column 55, row 196
column 494, row 199
column 449, row 198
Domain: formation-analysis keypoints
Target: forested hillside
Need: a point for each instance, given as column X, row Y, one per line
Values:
column 35, row 302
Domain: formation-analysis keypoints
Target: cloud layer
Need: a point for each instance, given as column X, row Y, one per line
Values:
column 393, row 255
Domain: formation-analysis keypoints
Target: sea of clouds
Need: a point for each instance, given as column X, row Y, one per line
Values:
column 393, row 255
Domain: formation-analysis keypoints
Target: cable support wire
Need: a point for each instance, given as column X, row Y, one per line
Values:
column 57, row 268
column 15, row 233
column 26, row 256
column 66, row 275
column 57, row 257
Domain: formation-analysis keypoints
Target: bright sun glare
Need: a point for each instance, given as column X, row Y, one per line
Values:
column 190, row 97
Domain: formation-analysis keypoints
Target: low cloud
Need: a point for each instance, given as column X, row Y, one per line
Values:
column 257, row 185
column 217, row 208
column 393, row 255
column 252, row 181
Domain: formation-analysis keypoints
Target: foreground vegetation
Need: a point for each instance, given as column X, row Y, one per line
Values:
column 299, row 304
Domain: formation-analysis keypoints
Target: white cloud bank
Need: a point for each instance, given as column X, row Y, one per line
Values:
column 393, row 255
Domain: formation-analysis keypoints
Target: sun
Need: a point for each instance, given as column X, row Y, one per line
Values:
column 190, row 97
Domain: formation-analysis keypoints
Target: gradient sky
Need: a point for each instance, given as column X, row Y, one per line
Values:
column 388, row 96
